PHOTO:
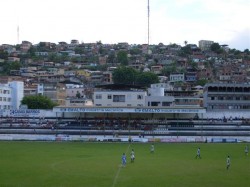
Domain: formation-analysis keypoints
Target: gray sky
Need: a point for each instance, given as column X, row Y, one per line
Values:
column 113, row 21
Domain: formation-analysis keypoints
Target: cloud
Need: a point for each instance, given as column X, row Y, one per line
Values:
column 241, row 40
column 112, row 21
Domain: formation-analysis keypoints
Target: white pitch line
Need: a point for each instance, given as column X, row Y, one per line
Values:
column 118, row 172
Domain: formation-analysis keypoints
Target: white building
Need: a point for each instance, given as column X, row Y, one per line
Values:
column 11, row 95
column 119, row 98
column 156, row 97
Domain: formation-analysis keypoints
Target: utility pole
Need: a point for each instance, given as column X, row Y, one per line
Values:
column 18, row 34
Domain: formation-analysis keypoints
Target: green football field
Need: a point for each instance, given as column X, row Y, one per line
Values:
column 81, row 164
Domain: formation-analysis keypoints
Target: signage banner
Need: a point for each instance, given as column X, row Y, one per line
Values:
column 25, row 112
column 128, row 110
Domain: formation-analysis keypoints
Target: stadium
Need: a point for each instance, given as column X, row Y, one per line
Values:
column 82, row 146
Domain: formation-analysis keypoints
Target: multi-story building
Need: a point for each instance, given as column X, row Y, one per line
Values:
column 204, row 45
column 55, row 91
column 118, row 98
column 227, row 96
column 11, row 95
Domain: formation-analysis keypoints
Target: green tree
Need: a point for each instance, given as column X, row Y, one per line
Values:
column 3, row 55
column 32, row 51
column 111, row 58
column 146, row 78
column 215, row 47
column 167, row 70
column 135, row 51
column 202, row 82
column 124, row 75
column 122, row 58
column 8, row 66
column 186, row 50
column 246, row 51
column 53, row 57
column 38, row 102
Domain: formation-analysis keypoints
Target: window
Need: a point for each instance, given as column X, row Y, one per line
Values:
column 155, row 103
column 139, row 96
column 98, row 96
column 109, row 96
column 118, row 98
column 166, row 103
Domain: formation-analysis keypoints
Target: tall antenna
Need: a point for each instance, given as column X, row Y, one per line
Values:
column 148, row 22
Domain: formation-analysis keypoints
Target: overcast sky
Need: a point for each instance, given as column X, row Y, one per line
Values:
column 113, row 21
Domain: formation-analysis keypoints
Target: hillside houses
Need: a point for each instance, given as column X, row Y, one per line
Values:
column 91, row 64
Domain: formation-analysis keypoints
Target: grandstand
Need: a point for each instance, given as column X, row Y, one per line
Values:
column 139, row 126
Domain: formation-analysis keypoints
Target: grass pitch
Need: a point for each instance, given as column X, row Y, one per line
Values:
column 81, row 164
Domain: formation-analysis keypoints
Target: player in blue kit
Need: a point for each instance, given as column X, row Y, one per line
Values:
column 124, row 160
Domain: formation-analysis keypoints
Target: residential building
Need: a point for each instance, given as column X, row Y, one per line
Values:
column 55, row 91
column 177, row 77
column 13, row 59
column 156, row 69
column 204, row 45
column 25, row 46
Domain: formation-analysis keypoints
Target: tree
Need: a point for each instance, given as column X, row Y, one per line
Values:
column 38, row 102
column 186, row 50
column 167, row 70
column 8, row 66
column 146, row 78
column 111, row 58
column 202, row 82
column 122, row 58
column 135, row 51
column 124, row 75
column 246, row 51
column 215, row 47
column 3, row 55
